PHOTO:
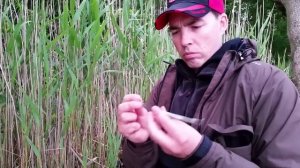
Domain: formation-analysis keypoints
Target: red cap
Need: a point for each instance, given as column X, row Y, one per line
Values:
column 195, row 8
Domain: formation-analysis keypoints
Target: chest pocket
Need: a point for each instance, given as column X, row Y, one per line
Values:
column 237, row 138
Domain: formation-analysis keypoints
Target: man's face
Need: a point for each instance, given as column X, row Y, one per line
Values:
column 197, row 39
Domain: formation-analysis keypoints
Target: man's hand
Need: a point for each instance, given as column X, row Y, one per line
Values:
column 175, row 137
column 130, row 114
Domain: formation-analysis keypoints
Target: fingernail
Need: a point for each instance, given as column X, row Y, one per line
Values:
column 154, row 108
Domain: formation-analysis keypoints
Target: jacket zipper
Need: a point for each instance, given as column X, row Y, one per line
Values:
column 223, row 75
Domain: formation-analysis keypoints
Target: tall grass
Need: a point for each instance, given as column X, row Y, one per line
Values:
column 65, row 66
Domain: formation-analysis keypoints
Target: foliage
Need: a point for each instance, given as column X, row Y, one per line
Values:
column 281, row 46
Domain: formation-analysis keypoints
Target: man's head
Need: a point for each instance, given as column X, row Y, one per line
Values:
column 196, row 28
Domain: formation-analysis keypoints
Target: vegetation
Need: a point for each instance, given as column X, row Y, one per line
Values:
column 281, row 46
column 65, row 66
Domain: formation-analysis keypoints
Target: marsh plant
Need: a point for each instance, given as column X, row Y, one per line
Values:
column 65, row 66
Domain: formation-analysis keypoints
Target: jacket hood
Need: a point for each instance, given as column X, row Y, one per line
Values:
column 246, row 51
column 243, row 49
column 240, row 51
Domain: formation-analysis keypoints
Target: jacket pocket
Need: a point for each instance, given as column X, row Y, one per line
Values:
column 237, row 138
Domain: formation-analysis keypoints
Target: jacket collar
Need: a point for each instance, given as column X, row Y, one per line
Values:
column 211, row 64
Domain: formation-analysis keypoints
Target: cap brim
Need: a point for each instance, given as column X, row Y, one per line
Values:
column 192, row 9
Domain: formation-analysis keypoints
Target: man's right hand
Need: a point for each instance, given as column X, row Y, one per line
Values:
column 131, row 114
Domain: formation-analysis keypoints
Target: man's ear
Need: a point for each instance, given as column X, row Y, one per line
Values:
column 223, row 22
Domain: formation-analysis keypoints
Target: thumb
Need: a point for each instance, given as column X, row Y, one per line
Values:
column 142, row 114
column 141, row 111
column 163, row 108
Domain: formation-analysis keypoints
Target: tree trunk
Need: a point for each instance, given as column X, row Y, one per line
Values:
column 292, row 10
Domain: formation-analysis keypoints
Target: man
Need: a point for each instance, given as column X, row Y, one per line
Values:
column 249, row 110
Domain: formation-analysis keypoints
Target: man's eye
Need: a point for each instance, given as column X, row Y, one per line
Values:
column 173, row 32
column 196, row 27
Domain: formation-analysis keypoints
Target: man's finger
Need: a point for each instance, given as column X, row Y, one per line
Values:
column 129, row 106
column 171, row 126
column 128, row 129
column 132, row 97
column 157, row 134
column 139, row 136
column 142, row 111
column 142, row 114
column 126, row 117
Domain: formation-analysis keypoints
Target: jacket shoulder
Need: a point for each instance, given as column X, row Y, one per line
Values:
column 260, row 72
column 264, row 79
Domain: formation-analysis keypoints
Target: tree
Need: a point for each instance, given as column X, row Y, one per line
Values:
column 292, row 10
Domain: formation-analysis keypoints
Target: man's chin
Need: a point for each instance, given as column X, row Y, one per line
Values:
column 194, row 64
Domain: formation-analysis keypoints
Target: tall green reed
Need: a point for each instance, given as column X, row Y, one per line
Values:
column 261, row 30
column 65, row 66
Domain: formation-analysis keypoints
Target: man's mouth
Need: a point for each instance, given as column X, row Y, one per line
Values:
column 190, row 55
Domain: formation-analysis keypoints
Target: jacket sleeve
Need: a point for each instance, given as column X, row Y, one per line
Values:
column 277, row 123
column 276, row 126
column 219, row 157
column 139, row 155
column 146, row 154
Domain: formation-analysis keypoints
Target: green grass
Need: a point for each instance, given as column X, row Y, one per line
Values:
column 64, row 68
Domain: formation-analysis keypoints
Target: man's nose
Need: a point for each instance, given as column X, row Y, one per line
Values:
column 186, row 38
